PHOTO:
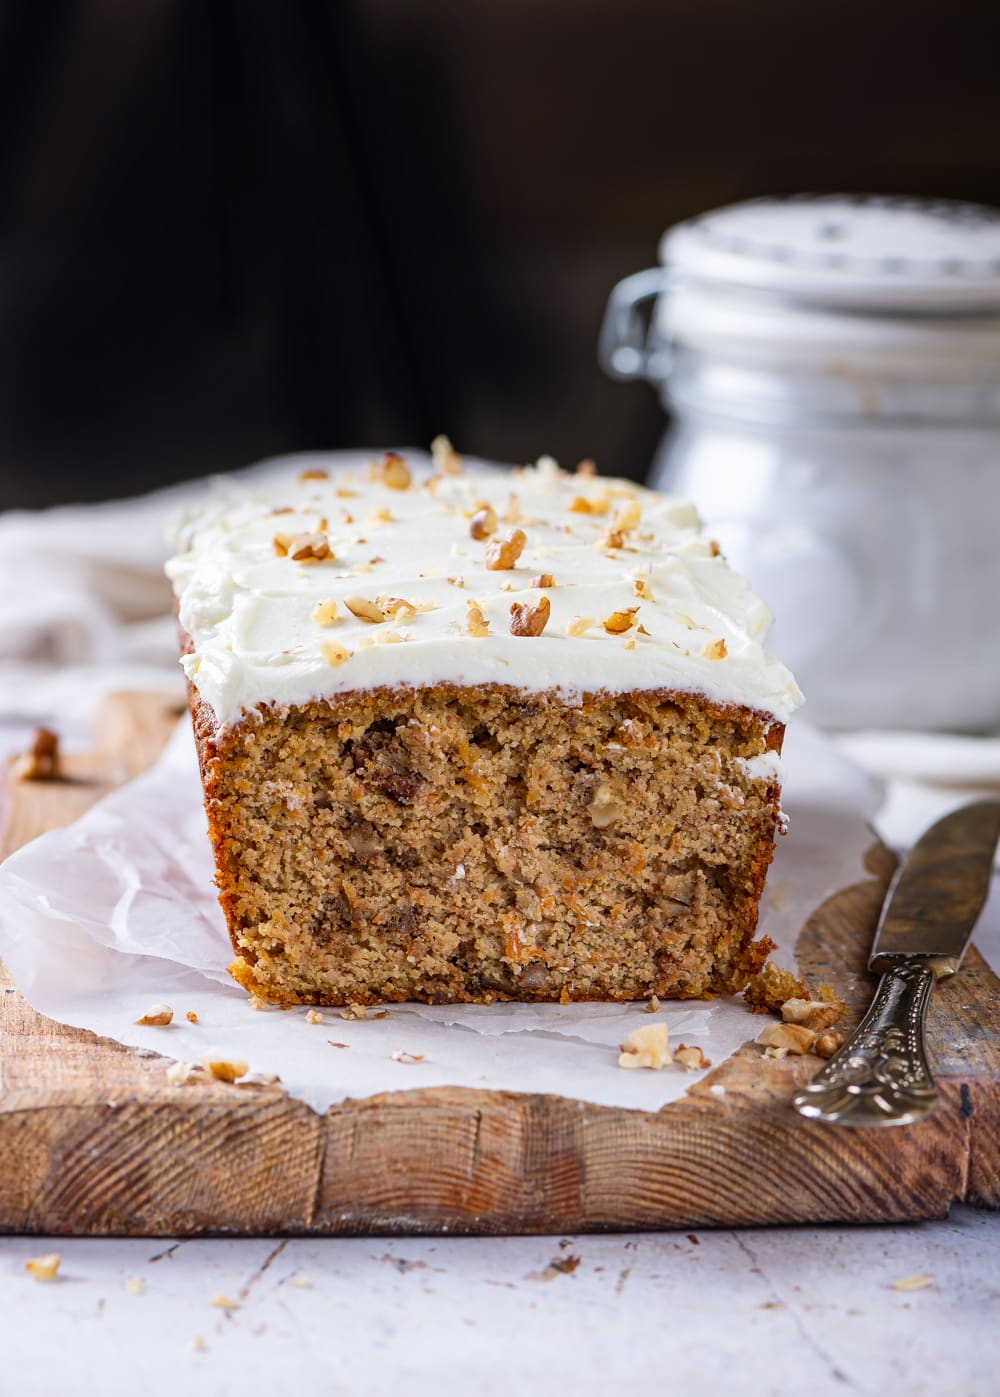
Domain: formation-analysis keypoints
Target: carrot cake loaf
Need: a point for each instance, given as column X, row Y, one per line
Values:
column 468, row 734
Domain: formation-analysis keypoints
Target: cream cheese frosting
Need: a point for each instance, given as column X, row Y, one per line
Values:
column 355, row 575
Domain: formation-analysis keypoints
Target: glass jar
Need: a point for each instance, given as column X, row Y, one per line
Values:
column 838, row 427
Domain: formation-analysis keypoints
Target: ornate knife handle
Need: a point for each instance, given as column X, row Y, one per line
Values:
column 880, row 1076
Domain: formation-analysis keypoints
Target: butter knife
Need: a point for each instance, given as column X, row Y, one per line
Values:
column 880, row 1076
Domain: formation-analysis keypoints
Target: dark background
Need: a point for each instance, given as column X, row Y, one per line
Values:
column 235, row 227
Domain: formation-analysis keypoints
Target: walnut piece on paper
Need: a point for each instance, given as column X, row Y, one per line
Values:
column 41, row 761
column 646, row 1047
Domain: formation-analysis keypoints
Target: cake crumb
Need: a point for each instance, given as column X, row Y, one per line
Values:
column 314, row 1016
column 918, row 1282
column 259, row 1079
column 257, row 1003
column 224, row 1302
column 41, row 761
column 300, row 1281
column 401, row 1055
column 44, row 1268
column 353, row 1011
column 135, row 1285
column 198, row 1344
column 157, row 1016
column 646, row 1047
column 771, row 987
column 653, row 1006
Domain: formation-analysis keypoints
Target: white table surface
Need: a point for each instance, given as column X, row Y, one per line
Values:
column 762, row 1311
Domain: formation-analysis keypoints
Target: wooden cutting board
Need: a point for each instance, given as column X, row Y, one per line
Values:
column 94, row 1141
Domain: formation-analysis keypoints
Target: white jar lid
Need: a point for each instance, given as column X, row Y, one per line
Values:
column 859, row 252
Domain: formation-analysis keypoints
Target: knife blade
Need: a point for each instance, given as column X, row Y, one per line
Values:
column 880, row 1076
column 936, row 897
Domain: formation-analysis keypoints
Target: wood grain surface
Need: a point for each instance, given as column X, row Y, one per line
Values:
column 94, row 1142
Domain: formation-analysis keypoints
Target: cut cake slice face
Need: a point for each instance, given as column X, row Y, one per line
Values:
column 468, row 735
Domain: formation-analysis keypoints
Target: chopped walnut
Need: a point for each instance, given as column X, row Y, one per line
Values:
column 191, row 1016
column 609, row 541
column 685, row 620
column 714, row 548
column 225, row 1069
column 791, row 1037
column 813, row 1013
column 375, row 516
column 529, row 620
column 333, row 652
column 223, row 1302
column 829, row 1042
column 446, row 458
column 771, row 988
column 503, row 553
column 483, row 523
column 324, row 613
column 314, row 1016
column 44, row 1268
column 396, row 607
column 643, row 589
column 186, row 1074
column 579, row 504
column 475, row 622
column 921, row 1282
column 41, row 761
column 544, row 579
column 691, row 1058
column 302, row 548
column 394, row 471
column 646, row 1047
column 580, row 625
column 603, row 808
column 714, row 649
column 512, row 513
column 313, row 475
column 653, row 1007
column 135, row 1285
column 628, row 517
column 620, row 621
column 586, row 467
column 158, row 1016
column 365, row 610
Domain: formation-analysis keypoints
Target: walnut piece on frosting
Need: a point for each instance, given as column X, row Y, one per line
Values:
column 324, row 613
column 394, row 472
column 620, row 621
column 475, row 622
column 446, row 459
column 529, row 620
column 483, row 523
column 714, row 649
column 365, row 610
column 503, row 553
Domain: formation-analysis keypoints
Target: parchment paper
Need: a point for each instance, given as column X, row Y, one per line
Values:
column 118, row 912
